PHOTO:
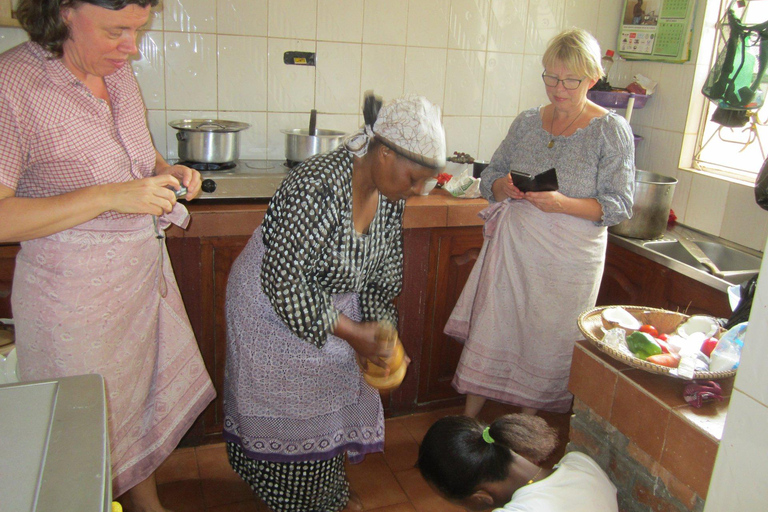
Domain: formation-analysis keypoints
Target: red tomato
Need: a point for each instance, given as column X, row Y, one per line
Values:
column 663, row 337
column 649, row 329
column 664, row 346
column 709, row 345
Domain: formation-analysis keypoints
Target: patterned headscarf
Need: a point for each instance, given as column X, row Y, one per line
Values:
column 409, row 126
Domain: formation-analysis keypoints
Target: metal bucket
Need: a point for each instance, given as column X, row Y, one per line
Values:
column 650, row 212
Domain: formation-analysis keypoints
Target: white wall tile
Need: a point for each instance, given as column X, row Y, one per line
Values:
column 10, row 37
column 190, row 71
column 739, row 478
column 681, row 195
column 383, row 69
column 242, row 77
column 149, row 68
column 545, row 21
column 385, row 21
column 464, row 83
column 290, row 88
column 672, row 96
column 607, row 27
column 158, row 128
column 242, row 17
column 428, row 23
column 278, row 121
column 506, row 26
column 532, row 90
column 492, row 133
column 293, row 18
column 502, row 84
column 425, row 70
column 706, row 204
column 346, row 123
column 583, row 15
column 462, row 134
column 744, row 222
column 338, row 77
column 155, row 21
column 253, row 140
column 190, row 15
column 469, row 24
column 340, row 20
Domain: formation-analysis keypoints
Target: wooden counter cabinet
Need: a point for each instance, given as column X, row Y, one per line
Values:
column 453, row 253
column 632, row 280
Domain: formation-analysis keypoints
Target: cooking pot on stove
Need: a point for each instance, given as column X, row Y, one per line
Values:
column 214, row 141
column 302, row 143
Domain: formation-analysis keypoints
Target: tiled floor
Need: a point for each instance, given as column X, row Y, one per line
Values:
column 200, row 479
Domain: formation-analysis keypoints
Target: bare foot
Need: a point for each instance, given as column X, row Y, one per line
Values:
column 355, row 504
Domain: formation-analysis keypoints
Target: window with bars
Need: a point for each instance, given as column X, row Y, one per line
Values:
column 735, row 152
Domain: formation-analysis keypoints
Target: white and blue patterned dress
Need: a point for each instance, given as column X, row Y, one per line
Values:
column 293, row 391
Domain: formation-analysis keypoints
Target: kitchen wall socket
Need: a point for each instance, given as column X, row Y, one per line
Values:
column 299, row 58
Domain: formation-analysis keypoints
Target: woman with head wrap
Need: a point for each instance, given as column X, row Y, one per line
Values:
column 304, row 300
column 542, row 260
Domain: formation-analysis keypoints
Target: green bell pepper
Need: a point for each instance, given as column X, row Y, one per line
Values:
column 642, row 345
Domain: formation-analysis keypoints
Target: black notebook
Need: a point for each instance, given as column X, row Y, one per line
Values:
column 544, row 182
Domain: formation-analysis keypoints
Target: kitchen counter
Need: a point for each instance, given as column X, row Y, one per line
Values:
column 658, row 450
column 672, row 234
column 242, row 217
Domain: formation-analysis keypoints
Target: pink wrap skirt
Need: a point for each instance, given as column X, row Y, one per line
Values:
column 102, row 298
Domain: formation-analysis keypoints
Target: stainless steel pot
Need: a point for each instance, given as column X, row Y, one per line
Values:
column 300, row 145
column 213, row 141
column 650, row 212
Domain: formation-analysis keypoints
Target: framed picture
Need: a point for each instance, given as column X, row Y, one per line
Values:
column 657, row 30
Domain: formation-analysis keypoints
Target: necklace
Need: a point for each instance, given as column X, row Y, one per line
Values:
column 552, row 136
column 535, row 476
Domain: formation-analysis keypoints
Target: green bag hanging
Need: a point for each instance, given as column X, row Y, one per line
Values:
column 738, row 80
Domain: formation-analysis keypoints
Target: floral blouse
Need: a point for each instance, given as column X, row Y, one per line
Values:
column 313, row 252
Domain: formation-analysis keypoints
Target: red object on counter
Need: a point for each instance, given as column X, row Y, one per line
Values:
column 672, row 220
column 443, row 178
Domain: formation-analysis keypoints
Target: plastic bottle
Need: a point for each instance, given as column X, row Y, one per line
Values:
column 607, row 62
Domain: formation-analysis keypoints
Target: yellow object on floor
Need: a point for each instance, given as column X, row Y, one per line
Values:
column 117, row 507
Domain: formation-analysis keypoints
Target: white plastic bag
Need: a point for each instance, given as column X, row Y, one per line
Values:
column 464, row 185
column 727, row 353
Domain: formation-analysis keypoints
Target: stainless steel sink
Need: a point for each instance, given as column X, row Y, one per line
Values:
column 736, row 266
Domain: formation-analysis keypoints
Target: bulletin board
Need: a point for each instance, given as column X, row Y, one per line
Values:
column 658, row 30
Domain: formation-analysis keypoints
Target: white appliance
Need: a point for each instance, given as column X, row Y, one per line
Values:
column 54, row 446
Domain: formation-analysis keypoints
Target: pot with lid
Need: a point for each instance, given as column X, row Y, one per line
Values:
column 650, row 211
column 214, row 141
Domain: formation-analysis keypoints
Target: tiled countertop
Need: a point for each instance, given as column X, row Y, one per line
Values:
column 649, row 409
column 240, row 218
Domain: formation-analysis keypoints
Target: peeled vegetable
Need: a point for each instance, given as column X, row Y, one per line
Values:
column 670, row 360
column 620, row 317
column 642, row 345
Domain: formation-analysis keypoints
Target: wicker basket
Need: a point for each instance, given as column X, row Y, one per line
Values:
column 591, row 325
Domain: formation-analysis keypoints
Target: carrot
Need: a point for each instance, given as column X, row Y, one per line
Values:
column 669, row 360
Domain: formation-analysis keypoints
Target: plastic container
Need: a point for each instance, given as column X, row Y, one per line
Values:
column 377, row 376
column 607, row 62
column 616, row 99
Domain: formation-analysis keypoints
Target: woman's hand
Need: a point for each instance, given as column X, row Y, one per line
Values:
column 361, row 336
column 550, row 202
column 186, row 176
column 153, row 195
column 503, row 188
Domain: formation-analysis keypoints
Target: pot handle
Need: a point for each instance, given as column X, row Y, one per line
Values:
column 180, row 136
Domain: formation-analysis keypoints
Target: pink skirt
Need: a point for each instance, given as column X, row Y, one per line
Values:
column 102, row 298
